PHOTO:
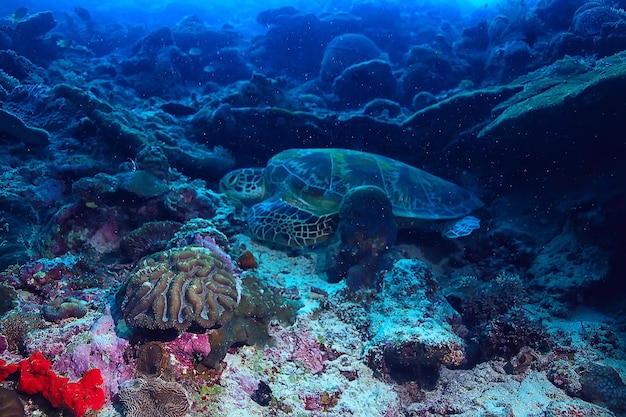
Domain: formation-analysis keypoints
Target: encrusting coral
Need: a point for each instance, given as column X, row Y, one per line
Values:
column 180, row 287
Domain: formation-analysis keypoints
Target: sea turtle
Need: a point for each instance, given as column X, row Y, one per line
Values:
column 297, row 195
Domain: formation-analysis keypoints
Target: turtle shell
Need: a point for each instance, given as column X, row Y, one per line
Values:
column 317, row 180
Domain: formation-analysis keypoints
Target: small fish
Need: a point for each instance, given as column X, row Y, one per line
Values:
column 82, row 13
column 195, row 51
column 63, row 43
column 19, row 14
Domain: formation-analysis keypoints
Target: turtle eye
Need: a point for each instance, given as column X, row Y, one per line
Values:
column 232, row 180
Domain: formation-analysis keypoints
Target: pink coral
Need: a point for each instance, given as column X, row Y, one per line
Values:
column 301, row 346
column 104, row 350
column 187, row 347
column 106, row 239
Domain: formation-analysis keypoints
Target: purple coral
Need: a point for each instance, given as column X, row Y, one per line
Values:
column 179, row 287
column 188, row 346
column 105, row 351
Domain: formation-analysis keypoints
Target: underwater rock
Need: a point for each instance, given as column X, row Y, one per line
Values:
column 28, row 38
column 177, row 109
column 589, row 20
column 294, row 43
column 112, row 122
column 17, row 130
column 512, row 59
column 152, row 159
column 95, row 189
column 272, row 17
column 546, row 93
column 567, row 44
column 197, row 160
column 344, row 51
column 34, row 26
column 557, row 14
column 20, row 204
column 21, row 67
column 382, row 108
column 141, row 183
column 563, row 275
column 153, row 42
column 411, row 326
column 427, row 69
column 444, row 119
column 192, row 200
column 362, row 82
column 191, row 32
column 225, row 67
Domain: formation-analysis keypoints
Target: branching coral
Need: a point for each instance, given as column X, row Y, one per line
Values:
column 154, row 397
column 178, row 288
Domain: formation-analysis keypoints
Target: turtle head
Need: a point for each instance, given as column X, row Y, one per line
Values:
column 246, row 185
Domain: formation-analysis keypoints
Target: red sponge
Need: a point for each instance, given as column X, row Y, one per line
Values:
column 37, row 377
column 6, row 370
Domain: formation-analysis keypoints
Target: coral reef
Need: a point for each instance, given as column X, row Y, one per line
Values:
column 149, row 397
column 178, row 288
column 130, row 286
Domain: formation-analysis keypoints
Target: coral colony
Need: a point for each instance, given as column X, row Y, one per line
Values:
column 375, row 210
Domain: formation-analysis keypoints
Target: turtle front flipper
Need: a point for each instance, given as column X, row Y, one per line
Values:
column 278, row 221
column 461, row 227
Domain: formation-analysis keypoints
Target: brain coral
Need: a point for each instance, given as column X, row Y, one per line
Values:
column 180, row 287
